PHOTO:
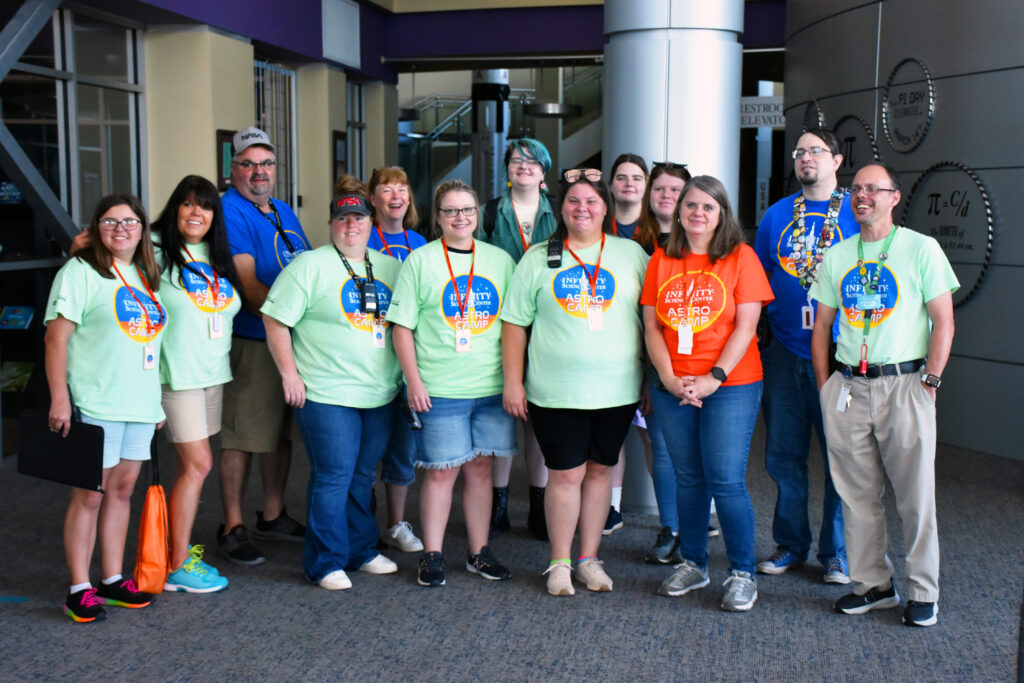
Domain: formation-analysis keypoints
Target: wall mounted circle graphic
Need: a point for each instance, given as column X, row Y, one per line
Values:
column 813, row 116
column 908, row 105
column 857, row 145
column 950, row 203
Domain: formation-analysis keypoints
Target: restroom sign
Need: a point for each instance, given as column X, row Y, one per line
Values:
column 762, row 112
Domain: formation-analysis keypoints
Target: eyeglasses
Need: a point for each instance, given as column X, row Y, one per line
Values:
column 249, row 165
column 110, row 224
column 667, row 164
column 523, row 162
column 813, row 151
column 870, row 190
column 466, row 211
column 574, row 174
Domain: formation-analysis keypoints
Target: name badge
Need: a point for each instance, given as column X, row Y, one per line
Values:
column 807, row 317
column 216, row 326
column 595, row 318
column 844, row 399
column 685, row 345
column 148, row 357
column 869, row 302
column 378, row 334
column 463, row 339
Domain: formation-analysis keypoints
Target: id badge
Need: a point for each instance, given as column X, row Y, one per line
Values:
column 685, row 345
column 595, row 318
column 807, row 317
column 148, row 357
column 463, row 339
column 843, row 402
column 216, row 326
column 378, row 334
column 869, row 302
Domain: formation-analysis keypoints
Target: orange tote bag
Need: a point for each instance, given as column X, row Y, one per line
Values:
column 152, row 559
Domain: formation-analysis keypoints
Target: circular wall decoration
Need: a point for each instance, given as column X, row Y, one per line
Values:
column 857, row 145
column 950, row 203
column 908, row 105
column 813, row 116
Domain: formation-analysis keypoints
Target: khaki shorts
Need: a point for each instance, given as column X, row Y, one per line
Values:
column 255, row 414
column 192, row 414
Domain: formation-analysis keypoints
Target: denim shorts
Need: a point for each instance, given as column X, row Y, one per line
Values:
column 123, row 440
column 456, row 430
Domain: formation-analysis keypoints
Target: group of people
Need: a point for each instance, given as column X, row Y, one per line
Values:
column 626, row 299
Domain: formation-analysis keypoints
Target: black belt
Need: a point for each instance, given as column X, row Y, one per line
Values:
column 874, row 371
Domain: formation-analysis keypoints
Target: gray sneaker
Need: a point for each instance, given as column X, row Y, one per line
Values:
column 740, row 592
column 686, row 578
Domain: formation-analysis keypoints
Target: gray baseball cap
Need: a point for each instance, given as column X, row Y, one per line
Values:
column 251, row 136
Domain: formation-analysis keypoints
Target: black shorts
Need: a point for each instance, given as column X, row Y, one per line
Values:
column 569, row 438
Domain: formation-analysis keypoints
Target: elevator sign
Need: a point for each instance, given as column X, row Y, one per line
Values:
column 762, row 112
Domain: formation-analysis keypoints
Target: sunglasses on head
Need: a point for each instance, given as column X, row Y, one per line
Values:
column 574, row 174
column 667, row 164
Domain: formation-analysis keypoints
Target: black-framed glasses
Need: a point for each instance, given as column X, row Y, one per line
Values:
column 110, row 224
column 467, row 211
column 869, row 190
column 815, row 151
column 574, row 174
column 249, row 165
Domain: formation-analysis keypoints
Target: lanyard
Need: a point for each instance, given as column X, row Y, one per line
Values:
column 214, row 286
column 592, row 279
column 405, row 234
column 276, row 222
column 150, row 329
column 615, row 227
column 462, row 302
column 522, row 235
column 871, row 285
column 355, row 278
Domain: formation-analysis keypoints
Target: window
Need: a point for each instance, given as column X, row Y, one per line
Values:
column 356, row 106
column 275, row 114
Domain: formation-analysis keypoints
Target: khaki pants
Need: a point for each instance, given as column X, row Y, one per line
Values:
column 888, row 429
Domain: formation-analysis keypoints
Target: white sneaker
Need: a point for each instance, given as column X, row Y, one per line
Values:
column 559, row 579
column 379, row 565
column 592, row 574
column 336, row 581
column 401, row 536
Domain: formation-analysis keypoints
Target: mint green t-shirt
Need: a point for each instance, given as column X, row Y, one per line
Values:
column 570, row 366
column 191, row 357
column 915, row 272
column 426, row 303
column 106, row 354
column 333, row 340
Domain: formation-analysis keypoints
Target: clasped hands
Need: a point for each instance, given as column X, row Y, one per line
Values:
column 691, row 389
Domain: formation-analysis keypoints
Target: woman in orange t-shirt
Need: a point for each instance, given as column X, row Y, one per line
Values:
column 702, row 298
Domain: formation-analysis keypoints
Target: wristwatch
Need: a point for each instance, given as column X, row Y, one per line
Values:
column 931, row 380
column 719, row 374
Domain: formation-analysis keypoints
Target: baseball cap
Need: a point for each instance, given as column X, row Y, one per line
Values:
column 250, row 136
column 345, row 204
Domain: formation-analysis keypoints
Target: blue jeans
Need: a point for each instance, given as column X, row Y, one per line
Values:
column 397, row 465
column 791, row 407
column 344, row 446
column 709, row 447
column 662, row 472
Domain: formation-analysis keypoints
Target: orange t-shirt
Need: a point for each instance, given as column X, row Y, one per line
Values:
column 706, row 295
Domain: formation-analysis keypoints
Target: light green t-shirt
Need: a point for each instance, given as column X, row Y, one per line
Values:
column 425, row 302
column 915, row 272
column 191, row 357
column 106, row 354
column 333, row 340
column 570, row 366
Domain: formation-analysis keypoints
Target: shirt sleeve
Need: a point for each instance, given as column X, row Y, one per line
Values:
column 761, row 243
column 937, row 276
column 751, row 280
column 405, row 306
column 822, row 289
column 288, row 298
column 521, row 301
column 68, row 293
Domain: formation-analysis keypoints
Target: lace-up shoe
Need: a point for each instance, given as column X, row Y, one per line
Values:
column 282, row 528
column 876, row 598
column 236, row 546
column 590, row 572
column 837, row 571
column 779, row 562
column 740, row 592
column 559, row 579
column 83, row 606
column 123, row 594
column 921, row 613
column 613, row 523
column 195, row 576
column 402, row 537
column 686, row 577
column 665, row 549
column 431, row 571
column 487, row 565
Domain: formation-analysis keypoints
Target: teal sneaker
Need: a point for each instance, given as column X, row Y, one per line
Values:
column 195, row 576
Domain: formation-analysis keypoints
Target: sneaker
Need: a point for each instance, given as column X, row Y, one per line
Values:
column 402, row 537
column 876, row 598
column 431, row 570
column 195, row 576
column 283, row 528
column 713, row 531
column 236, row 546
column 208, row 567
column 379, row 565
column 837, row 571
column 559, row 579
column 687, row 577
column 335, row 581
column 921, row 613
column 613, row 523
column 591, row 573
column 665, row 549
column 123, row 594
column 779, row 562
column 740, row 592
column 83, row 606
column 486, row 565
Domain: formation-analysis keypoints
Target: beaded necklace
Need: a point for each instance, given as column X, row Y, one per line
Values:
column 804, row 255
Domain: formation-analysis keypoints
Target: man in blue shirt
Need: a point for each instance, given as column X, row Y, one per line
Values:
column 791, row 240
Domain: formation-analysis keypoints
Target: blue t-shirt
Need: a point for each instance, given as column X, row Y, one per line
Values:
column 252, row 232
column 399, row 244
column 626, row 230
column 774, row 245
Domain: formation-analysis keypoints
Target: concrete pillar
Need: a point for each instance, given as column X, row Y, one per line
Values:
column 490, row 119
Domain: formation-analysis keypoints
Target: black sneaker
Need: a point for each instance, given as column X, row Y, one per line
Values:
column 876, row 598
column 921, row 613
column 123, row 594
column 282, row 528
column 614, row 521
column 236, row 546
column 486, row 565
column 666, row 548
column 431, row 570
column 83, row 606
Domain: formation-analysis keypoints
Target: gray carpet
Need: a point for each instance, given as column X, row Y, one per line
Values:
column 270, row 624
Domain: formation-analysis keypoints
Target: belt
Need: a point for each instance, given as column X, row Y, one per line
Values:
column 874, row 371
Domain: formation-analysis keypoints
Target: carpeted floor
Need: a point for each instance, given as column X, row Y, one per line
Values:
column 270, row 624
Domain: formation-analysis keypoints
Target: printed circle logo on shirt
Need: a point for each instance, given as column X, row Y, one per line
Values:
column 486, row 304
column 784, row 248
column 695, row 296
column 850, row 288
column 351, row 304
column 130, row 318
column 284, row 254
column 199, row 291
column 571, row 289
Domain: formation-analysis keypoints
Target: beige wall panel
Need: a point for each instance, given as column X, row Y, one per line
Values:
column 381, row 125
column 314, row 153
